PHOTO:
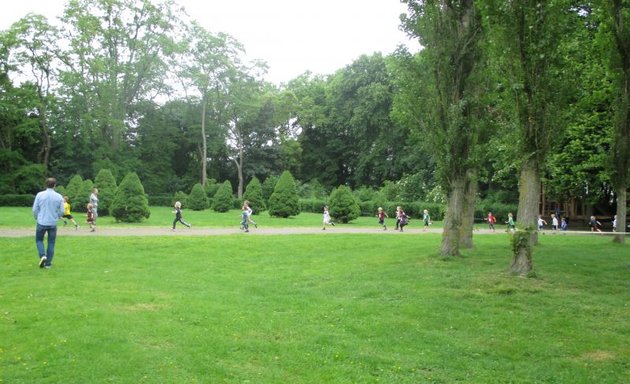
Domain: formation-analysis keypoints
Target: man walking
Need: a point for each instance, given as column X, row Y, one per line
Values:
column 47, row 209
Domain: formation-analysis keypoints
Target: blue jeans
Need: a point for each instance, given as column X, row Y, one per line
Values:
column 39, row 241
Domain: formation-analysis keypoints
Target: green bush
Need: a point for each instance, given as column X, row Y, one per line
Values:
column 267, row 188
column 14, row 200
column 74, row 191
column 197, row 200
column 253, row 193
column 211, row 189
column 182, row 197
column 223, row 200
column 312, row 205
column 130, row 204
column 284, row 201
column 343, row 205
column 106, row 184
column 160, row 200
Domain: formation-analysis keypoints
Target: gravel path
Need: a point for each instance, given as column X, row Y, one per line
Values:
column 158, row 231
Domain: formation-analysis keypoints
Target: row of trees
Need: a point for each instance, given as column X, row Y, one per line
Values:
column 514, row 64
column 504, row 94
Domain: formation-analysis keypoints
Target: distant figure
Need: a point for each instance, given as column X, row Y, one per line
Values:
column 381, row 218
column 326, row 218
column 91, row 217
column 404, row 219
column 244, row 219
column 398, row 211
column 491, row 220
column 541, row 223
column 426, row 219
column 67, row 215
column 614, row 223
column 47, row 209
column 250, row 212
column 594, row 224
column 511, row 226
column 178, row 215
column 564, row 225
column 554, row 222
column 94, row 202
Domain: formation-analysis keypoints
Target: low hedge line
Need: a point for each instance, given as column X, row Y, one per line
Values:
column 16, row 200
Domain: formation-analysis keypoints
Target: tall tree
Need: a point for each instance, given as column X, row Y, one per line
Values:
column 117, row 57
column 451, row 32
column 524, row 41
column 206, row 67
column 618, row 23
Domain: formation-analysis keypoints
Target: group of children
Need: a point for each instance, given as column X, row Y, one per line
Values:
column 91, row 212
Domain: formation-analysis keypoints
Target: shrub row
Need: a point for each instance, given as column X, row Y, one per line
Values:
column 16, row 200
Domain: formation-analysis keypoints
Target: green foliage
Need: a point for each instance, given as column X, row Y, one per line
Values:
column 284, row 201
column 182, row 197
column 521, row 241
column 106, row 184
column 342, row 205
column 224, row 198
column 74, row 191
column 312, row 205
column 12, row 200
column 253, row 193
column 130, row 204
column 211, row 188
column 268, row 186
column 197, row 200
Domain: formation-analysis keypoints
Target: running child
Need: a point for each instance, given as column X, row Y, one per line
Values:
column 66, row 213
column 511, row 226
column 554, row 222
column 404, row 219
column 250, row 212
column 326, row 218
column 541, row 223
column 91, row 217
column 491, row 221
column 426, row 219
column 178, row 215
column 594, row 224
column 614, row 224
column 381, row 218
column 245, row 219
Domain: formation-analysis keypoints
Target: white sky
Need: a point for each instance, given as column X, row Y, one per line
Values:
column 292, row 36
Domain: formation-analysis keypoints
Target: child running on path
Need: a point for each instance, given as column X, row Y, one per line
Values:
column 91, row 217
column 541, row 223
column 67, row 215
column 426, row 219
column 381, row 218
column 245, row 219
column 326, row 218
column 250, row 212
column 178, row 215
column 594, row 224
column 404, row 219
column 511, row 226
column 491, row 221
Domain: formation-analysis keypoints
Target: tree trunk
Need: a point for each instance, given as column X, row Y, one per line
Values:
column 528, row 198
column 622, row 196
column 204, row 149
column 451, row 234
column 468, row 219
column 522, row 258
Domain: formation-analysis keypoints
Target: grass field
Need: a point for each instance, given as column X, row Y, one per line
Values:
column 339, row 308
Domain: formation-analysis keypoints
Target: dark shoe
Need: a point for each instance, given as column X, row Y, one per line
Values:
column 42, row 261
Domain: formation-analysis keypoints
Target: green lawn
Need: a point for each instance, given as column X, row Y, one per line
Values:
column 330, row 308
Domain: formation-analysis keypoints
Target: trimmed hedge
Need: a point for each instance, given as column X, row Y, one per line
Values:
column 161, row 200
column 14, row 200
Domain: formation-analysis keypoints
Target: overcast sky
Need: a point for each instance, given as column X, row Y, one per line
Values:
column 292, row 36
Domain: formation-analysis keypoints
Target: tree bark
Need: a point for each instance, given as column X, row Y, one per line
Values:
column 522, row 260
column 622, row 196
column 451, row 234
column 204, row 149
column 468, row 219
column 528, row 199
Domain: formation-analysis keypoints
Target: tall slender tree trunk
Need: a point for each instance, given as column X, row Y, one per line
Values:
column 204, row 144
column 528, row 206
column 468, row 219
column 451, row 234
column 622, row 209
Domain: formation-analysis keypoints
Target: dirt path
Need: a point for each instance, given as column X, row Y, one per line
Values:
column 159, row 231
